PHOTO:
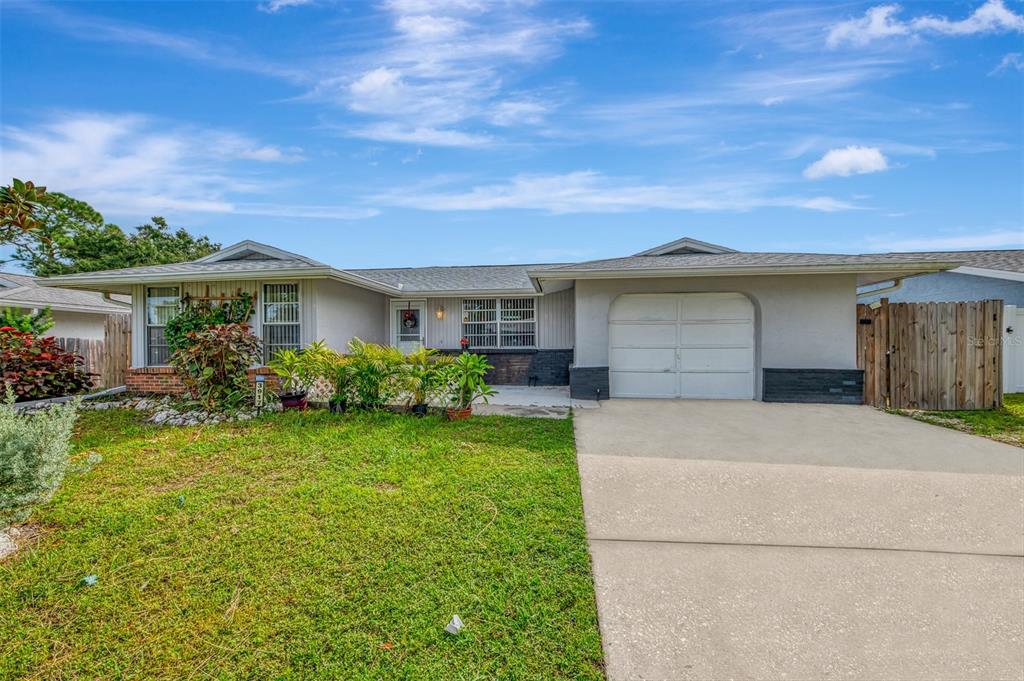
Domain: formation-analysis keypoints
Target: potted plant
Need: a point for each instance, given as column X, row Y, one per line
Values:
column 424, row 373
column 465, row 382
column 293, row 372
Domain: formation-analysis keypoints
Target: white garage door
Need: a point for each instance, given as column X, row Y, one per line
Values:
column 693, row 345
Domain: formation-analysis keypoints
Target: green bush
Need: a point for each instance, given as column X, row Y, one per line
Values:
column 33, row 456
column 36, row 323
column 426, row 375
column 213, row 364
column 199, row 315
column 377, row 374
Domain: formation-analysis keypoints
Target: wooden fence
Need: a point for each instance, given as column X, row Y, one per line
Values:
column 931, row 355
column 107, row 358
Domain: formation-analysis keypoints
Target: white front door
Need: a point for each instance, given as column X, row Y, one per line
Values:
column 408, row 325
column 691, row 345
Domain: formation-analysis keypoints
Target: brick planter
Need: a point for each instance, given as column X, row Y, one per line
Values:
column 166, row 381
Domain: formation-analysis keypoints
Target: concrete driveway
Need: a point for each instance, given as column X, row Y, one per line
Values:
column 743, row 540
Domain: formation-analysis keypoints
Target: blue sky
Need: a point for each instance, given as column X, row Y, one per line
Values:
column 419, row 132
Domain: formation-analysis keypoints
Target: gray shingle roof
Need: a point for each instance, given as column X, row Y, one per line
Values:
column 455, row 278
column 1007, row 260
column 231, row 266
column 688, row 261
column 27, row 293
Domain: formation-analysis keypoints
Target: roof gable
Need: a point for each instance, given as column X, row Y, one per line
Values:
column 253, row 250
column 687, row 246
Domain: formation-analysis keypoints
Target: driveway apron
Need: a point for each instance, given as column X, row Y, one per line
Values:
column 744, row 540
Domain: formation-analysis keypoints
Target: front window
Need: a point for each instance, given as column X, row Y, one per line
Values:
column 162, row 304
column 280, row 319
column 499, row 322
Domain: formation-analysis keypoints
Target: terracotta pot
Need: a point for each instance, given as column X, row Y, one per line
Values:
column 294, row 401
column 459, row 414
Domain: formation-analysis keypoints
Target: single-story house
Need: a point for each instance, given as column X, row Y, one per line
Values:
column 685, row 319
column 983, row 275
column 76, row 314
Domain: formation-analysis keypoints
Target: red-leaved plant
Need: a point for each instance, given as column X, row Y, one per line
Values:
column 213, row 365
column 35, row 367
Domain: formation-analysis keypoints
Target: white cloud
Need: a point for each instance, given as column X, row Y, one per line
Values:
column 419, row 135
column 446, row 65
column 852, row 160
column 881, row 22
column 105, row 30
column 274, row 6
column 1014, row 61
column 592, row 192
column 133, row 165
column 969, row 239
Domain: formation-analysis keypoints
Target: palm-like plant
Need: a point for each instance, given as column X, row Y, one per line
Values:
column 466, row 381
column 425, row 376
column 377, row 373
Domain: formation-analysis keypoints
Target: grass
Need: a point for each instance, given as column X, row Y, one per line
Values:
column 1005, row 425
column 309, row 546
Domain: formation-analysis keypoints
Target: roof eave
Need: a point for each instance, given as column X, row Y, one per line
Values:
column 989, row 272
column 904, row 268
column 98, row 281
column 460, row 293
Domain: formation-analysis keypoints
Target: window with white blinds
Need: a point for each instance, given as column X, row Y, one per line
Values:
column 281, row 320
column 162, row 304
column 499, row 322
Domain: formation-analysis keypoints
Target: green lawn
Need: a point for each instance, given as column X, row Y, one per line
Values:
column 1005, row 425
column 309, row 546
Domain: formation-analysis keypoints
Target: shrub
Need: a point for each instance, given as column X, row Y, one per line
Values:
column 36, row 323
column 376, row 373
column 199, row 315
column 33, row 456
column 426, row 374
column 213, row 364
column 36, row 368
column 299, row 369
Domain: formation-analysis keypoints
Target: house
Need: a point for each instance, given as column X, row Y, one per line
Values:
column 76, row 314
column 982, row 275
column 684, row 319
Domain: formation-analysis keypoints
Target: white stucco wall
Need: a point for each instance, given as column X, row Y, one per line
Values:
column 84, row 325
column 77, row 325
column 344, row 312
column 803, row 322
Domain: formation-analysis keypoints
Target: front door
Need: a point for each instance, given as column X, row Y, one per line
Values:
column 407, row 325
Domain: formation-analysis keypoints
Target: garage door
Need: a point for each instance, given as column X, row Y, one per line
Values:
column 693, row 345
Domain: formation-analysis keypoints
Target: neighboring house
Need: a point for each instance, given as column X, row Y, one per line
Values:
column 982, row 275
column 76, row 314
column 685, row 319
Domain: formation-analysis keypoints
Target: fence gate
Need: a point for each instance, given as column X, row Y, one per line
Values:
column 116, row 350
column 931, row 355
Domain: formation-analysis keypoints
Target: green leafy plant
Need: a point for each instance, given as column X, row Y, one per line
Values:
column 36, row 323
column 36, row 368
column 33, row 456
column 298, row 369
column 213, row 364
column 425, row 374
column 377, row 373
column 197, row 315
column 465, row 381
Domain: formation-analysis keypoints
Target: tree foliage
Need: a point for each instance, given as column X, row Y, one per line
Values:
column 36, row 323
column 21, row 204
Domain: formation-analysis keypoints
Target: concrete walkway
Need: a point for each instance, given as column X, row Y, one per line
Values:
column 748, row 540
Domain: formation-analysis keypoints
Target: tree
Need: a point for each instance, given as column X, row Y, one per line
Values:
column 80, row 240
column 20, row 206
